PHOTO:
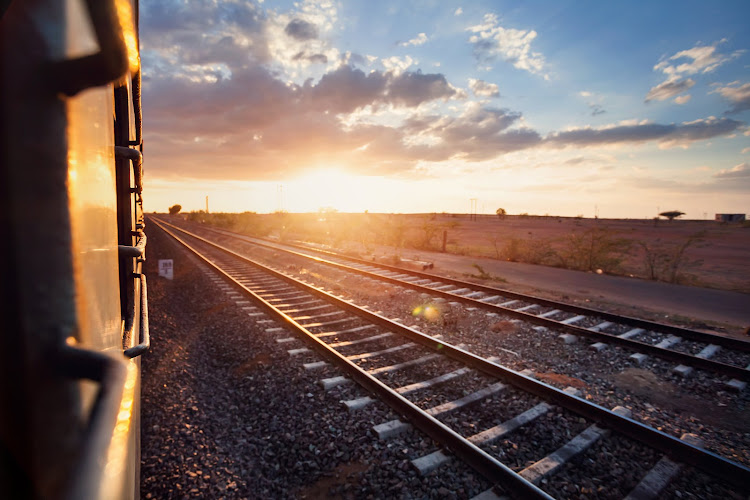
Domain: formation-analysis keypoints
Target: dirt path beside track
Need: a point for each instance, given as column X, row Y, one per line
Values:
column 684, row 305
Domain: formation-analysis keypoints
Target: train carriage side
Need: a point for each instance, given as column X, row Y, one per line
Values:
column 74, row 301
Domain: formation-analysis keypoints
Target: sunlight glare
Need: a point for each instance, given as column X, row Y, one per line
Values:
column 327, row 188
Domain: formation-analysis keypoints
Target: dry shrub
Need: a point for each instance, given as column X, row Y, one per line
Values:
column 667, row 261
column 594, row 249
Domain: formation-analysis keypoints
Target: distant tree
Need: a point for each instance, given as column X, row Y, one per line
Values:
column 672, row 214
column 175, row 209
column 501, row 213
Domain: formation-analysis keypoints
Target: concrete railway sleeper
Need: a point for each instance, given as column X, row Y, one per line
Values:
column 369, row 348
column 603, row 330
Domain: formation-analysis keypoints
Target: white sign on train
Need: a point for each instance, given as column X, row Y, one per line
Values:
column 166, row 268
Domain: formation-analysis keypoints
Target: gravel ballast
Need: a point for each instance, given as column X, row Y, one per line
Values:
column 364, row 466
column 227, row 413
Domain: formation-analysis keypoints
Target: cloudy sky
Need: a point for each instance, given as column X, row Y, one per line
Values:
column 616, row 109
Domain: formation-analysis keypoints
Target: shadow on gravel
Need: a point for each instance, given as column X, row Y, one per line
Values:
column 668, row 396
column 345, row 475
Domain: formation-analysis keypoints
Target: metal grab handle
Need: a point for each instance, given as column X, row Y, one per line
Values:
column 136, row 251
column 110, row 63
column 136, row 159
column 137, row 109
column 144, row 338
column 111, row 374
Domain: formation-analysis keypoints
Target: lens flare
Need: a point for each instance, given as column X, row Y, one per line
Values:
column 429, row 312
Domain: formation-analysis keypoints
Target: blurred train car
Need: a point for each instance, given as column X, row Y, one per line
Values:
column 73, row 310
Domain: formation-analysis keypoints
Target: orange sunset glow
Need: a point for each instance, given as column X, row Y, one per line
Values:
column 269, row 106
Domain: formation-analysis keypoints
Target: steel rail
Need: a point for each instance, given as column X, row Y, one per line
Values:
column 492, row 469
column 737, row 372
column 686, row 333
column 682, row 451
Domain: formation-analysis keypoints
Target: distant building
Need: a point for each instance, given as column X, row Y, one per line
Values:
column 730, row 217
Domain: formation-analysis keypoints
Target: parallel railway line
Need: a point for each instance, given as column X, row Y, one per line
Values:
column 725, row 356
column 379, row 353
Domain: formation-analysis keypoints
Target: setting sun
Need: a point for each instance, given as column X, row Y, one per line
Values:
column 325, row 188
column 341, row 249
column 337, row 189
column 442, row 105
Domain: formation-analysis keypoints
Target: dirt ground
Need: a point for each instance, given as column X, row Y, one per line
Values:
column 712, row 292
column 714, row 255
column 718, row 258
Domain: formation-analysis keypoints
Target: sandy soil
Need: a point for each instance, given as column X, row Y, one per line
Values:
column 720, row 257
column 713, row 292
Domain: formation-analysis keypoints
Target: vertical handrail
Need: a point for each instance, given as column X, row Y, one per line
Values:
column 144, row 338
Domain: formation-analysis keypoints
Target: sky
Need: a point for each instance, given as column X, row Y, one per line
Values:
column 609, row 109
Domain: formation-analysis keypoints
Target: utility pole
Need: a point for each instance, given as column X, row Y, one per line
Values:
column 473, row 213
column 206, row 204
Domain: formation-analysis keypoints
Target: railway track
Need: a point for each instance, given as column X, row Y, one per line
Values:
column 415, row 375
column 687, row 349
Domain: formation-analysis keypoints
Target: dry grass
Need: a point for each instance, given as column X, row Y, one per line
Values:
column 703, row 253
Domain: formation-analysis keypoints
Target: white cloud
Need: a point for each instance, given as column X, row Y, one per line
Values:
column 260, row 113
column 478, row 133
column 701, row 59
column 419, row 40
column 745, row 150
column 397, row 64
column 483, row 89
column 741, row 170
column 458, row 11
column 737, row 94
column 669, row 88
column 492, row 41
column 584, row 93
column 299, row 38
column 682, row 99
